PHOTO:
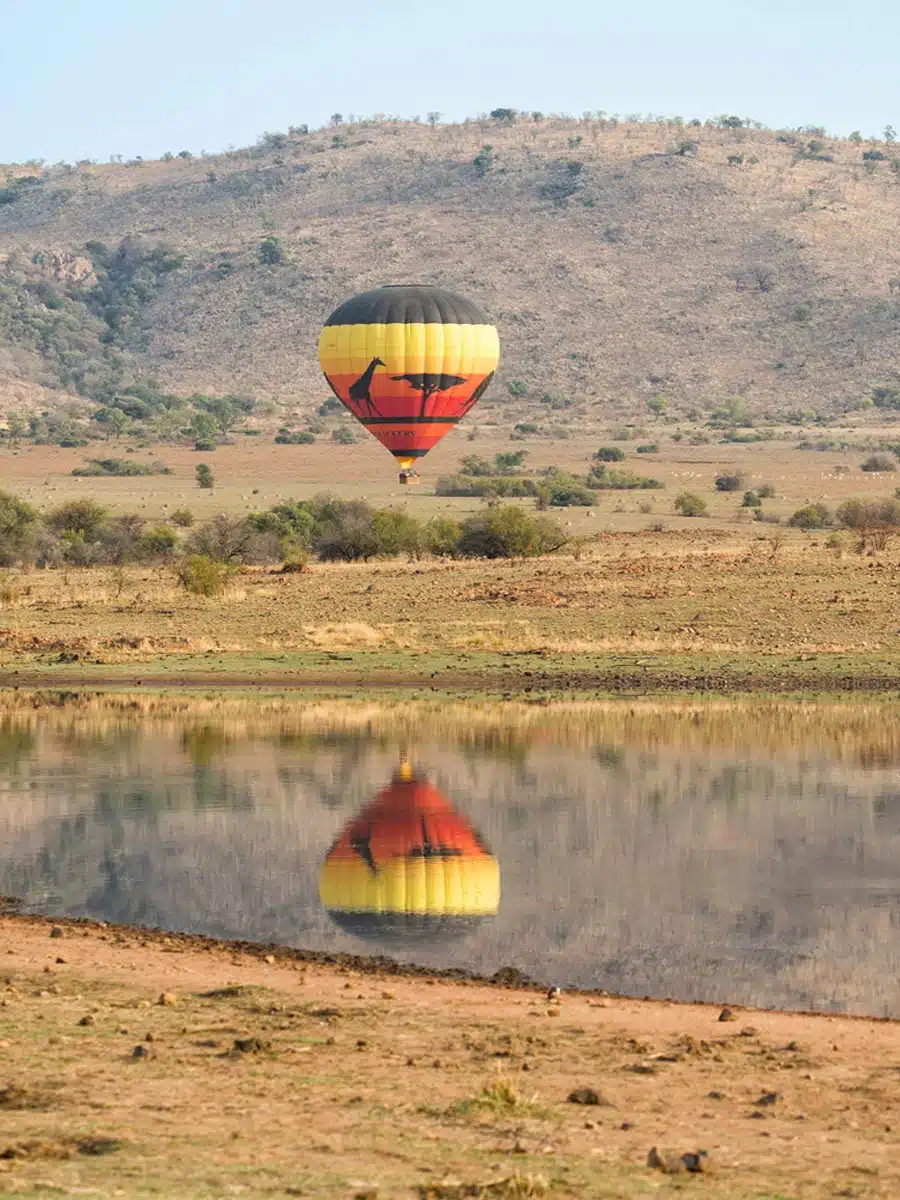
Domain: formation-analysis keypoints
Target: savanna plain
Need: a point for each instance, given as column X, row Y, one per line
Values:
column 709, row 307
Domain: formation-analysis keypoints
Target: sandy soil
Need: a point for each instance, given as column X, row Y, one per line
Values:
column 137, row 1064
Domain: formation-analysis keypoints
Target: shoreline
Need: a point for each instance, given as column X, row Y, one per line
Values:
column 138, row 1062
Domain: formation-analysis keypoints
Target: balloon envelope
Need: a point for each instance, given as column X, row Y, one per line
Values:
column 409, row 361
column 409, row 869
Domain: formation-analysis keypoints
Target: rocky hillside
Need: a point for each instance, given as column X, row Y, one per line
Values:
column 621, row 261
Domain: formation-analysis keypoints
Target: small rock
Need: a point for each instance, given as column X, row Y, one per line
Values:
column 166, row 999
column 727, row 1015
column 716, row 1095
column 140, row 1052
column 387, row 996
column 671, row 1163
column 56, row 932
column 749, row 1031
column 87, row 1019
column 766, row 1099
column 60, row 959
column 552, row 1012
column 270, row 958
column 148, row 1036
column 586, row 1095
column 250, row 1045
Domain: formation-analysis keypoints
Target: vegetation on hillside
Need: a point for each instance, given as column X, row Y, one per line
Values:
column 695, row 273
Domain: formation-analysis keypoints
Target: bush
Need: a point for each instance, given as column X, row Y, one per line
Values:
column 603, row 479
column 183, row 518
column 526, row 427
column 878, row 462
column 343, row 436
column 563, row 490
column 811, row 516
column 303, row 438
column 751, row 500
column 875, row 521
column 440, row 537
column 608, row 454
column 227, row 539
column 271, row 251
column 204, row 476
column 765, row 491
column 479, row 485
column 397, row 533
column 689, row 504
column 729, row 482
column 120, row 467
column 201, row 575
column 158, row 543
column 18, row 530
column 517, row 387
column 347, row 532
column 648, row 448
column 507, row 531
column 77, row 518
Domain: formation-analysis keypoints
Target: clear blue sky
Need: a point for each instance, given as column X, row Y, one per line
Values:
column 90, row 78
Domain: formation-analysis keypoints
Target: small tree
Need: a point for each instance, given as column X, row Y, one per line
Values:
column 204, row 430
column 689, row 504
column 484, row 160
column 204, row 476
column 183, row 517
column 811, row 516
column 15, row 428
column 18, row 527
column 609, row 454
column 878, row 462
column 201, row 575
column 874, row 521
column 517, row 387
column 433, row 118
column 271, row 251
column 726, row 482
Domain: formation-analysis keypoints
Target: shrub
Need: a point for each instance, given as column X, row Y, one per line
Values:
column 347, row 533
column 440, row 537
column 183, row 518
column 204, row 476
column 18, row 530
column 302, row 438
column 875, row 521
column 729, row 482
column 603, row 478
column 158, row 542
column 811, row 516
column 120, row 467
column 479, row 485
column 507, row 531
column 233, row 540
column 689, row 504
column 877, row 463
column 648, row 448
column 77, row 518
column 526, row 427
column 343, row 436
column 271, row 251
column 565, row 490
column 397, row 533
column 509, row 461
column 609, row 454
column 765, row 491
column 751, row 500
column 201, row 575
column 517, row 387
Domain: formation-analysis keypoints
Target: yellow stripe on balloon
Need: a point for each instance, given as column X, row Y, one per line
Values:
column 437, row 886
column 410, row 348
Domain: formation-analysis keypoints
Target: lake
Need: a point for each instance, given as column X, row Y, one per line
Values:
column 743, row 852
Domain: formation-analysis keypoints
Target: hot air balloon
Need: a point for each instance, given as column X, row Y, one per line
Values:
column 409, row 869
column 409, row 361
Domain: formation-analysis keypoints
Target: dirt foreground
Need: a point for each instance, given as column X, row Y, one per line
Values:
column 135, row 1063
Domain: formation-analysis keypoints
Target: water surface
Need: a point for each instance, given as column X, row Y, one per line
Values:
column 728, row 853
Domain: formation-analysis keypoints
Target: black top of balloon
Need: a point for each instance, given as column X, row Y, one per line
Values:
column 408, row 304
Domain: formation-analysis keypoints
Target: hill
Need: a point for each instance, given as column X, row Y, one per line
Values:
column 622, row 261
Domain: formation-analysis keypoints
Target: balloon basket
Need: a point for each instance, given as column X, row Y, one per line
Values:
column 409, row 477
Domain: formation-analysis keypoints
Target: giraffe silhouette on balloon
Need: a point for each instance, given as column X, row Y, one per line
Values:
column 360, row 391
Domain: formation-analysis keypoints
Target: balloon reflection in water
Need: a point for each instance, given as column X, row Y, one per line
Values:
column 409, row 869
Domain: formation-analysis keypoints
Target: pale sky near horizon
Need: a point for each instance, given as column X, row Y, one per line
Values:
column 92, row 78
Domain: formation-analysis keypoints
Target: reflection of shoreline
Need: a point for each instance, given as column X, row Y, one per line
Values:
column 864, row 732
column 409, row 869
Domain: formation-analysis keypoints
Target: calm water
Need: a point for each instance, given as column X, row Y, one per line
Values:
column 628, row 863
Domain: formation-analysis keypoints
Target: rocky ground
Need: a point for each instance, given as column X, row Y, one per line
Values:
column 134, row 1063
